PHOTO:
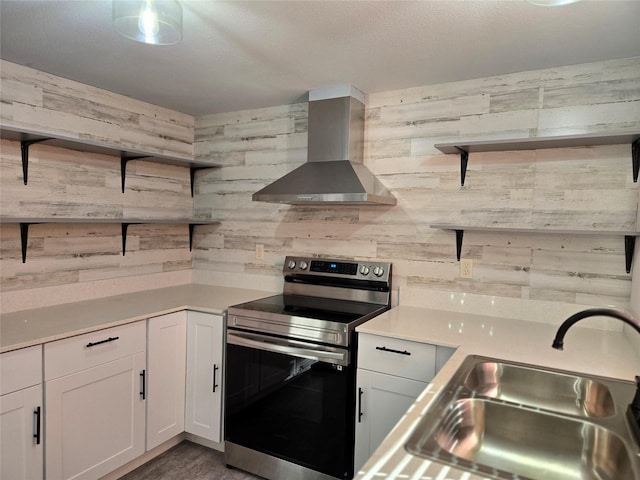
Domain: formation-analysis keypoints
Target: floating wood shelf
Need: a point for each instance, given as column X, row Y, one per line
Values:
column 28, row 138
column 25, row 222
column 464, row 148
column 629, row 237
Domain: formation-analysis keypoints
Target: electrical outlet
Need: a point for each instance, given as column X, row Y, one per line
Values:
column 259, row 251
column 466, row 268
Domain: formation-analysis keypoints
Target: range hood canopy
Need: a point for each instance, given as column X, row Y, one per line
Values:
column 334, row 172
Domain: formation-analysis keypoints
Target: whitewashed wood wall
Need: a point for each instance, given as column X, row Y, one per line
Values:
column 66, row 183
column 574, row 188
column 578, row 188
column 37, row 101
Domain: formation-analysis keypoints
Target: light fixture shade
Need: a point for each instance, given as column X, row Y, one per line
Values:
column 157, row 22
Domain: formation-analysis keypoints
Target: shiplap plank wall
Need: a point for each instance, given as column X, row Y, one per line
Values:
column 578, row 188
column 40, row 102
column 574, row 188
column 67, row 183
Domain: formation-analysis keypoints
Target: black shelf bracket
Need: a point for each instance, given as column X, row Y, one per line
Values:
column 125, row 228
column 191, row 228
column 123, row 166
column 192, row 175
column 629, row 246
column 635, row 158
column 464, row 160
column 24, row 152
column 459, row 235
column 24, row 239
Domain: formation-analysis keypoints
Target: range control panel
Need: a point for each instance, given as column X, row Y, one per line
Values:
column 337, row 268
column 333, row 267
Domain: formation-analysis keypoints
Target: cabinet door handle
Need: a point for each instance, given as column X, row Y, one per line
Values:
column 215, row 369
column 106, row 340
column 36, row 421
column 360, row 405
column 143, row 384
column 401, row 352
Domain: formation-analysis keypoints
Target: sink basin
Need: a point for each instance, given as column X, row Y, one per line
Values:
column 542, row 446
column 508, row 420
column 558, row 392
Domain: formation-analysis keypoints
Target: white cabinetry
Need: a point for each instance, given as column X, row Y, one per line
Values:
column 94, row 387
column 21, row 446
column 166, row 363
column 205, row 344
column 391, row 374
column 383, row 399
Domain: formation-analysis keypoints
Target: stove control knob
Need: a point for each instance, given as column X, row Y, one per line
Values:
column 378, row 271
column 303, row 265
column 364, row 270
column 291, row 264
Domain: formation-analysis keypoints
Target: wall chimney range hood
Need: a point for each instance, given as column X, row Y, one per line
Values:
column 334, row 172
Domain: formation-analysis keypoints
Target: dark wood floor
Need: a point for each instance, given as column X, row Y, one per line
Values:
column 188, row 461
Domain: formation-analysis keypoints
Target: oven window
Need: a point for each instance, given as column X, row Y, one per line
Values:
column 293, row 408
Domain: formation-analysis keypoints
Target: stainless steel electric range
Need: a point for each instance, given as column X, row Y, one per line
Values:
column 291, row 365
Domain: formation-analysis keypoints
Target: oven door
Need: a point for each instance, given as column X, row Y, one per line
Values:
column 291, row 400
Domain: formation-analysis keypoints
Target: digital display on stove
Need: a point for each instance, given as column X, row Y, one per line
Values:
column 342, row 268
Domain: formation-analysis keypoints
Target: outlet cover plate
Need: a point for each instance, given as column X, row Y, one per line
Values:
column 466, row 268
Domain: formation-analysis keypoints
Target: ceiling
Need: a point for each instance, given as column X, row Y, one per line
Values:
column 238, row 55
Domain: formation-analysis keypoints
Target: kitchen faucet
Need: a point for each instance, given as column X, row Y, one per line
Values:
column 633, row 411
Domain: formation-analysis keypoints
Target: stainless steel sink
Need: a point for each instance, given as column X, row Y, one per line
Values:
column 508, row 420
column 558, row 392
column 542, row 446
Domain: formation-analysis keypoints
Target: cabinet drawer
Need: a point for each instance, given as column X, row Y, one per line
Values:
column 20, row 369
column 393, row 356
column 91, row 349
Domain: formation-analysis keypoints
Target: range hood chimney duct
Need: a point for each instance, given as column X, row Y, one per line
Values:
column 334, row 172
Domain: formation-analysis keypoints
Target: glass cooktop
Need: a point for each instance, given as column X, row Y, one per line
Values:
column 342, row 311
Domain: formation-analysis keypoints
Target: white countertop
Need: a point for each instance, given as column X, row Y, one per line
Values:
column 586, row 350
column 40, row 325
column 597, row 352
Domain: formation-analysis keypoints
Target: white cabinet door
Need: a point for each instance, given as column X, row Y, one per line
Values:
column 21, row 456
column 166, row 363
column 381, row 400
column 94, row 421
column 205, row 343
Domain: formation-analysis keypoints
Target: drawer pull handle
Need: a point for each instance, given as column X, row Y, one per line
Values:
column 36, row 420
column 215, row 369
column 360, row 405
column 107, row 340
column 385, row 349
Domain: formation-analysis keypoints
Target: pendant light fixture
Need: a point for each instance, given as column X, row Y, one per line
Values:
column 156, row 22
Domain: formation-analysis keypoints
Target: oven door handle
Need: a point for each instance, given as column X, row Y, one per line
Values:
column 294, row 348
